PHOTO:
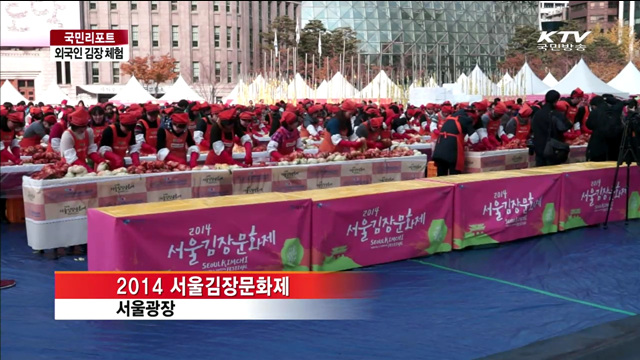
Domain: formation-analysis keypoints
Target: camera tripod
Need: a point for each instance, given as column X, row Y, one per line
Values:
column 627, row 155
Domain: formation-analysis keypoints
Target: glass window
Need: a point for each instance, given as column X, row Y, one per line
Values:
column 196, row 71
column 238, row 39
column 154, row 6
column 239, row 68
column 59, row 72
column 195, row 36
column 228, row 6
column 114, row 27
column 175, row 35
column 217, row 71
column 174, row 6
column 592, row 4
column 92, row 5
column 228, row 37
column 194, row 6
column 134, row 5
column 134, row 35
column 216, row 37
column 229, row 72
column 177, row 67
column 612, row 18
column 93, row 27
column 116, row 73
column 95, row 73
column 215, row 6
column 238, row 7
column 155, row 35
column 113, row 5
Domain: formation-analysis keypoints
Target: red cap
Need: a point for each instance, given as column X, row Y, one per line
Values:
column 577, row 93
column 314, row 109
column 247, row 116
column 35, row 111
column 134, row 107
column 376, row 122
column 274, row 108
column 480, row 106
column 447, row 109
column 16, row 117
column 51, row 119
column 562, row 106
column 227, row 115
column 373, row 111
column 180, row 118
column 129, row 118
column 151, row 108
column 349, row 105
column 216, row 109
column 500, row 109
column 289, row 117
column 525, row 111
column 80, row 117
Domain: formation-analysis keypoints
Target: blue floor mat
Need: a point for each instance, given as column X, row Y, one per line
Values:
column 420, row 311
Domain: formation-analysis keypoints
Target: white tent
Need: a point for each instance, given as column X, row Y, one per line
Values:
column 132, row 93
column 480, row 84
column 628, row 80
column 340, row 88
column 505, row 85
column 298, row 88
column 53, row 95
column 180, row 90
column 526, row 82
column 236, row 95
column 322, row 92
column 380, row 87
column 549, row 80
column 580, row 76
column 9, row 94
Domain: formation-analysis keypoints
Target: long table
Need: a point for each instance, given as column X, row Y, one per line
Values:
column 56, row 210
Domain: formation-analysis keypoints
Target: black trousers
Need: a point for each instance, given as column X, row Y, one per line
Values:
column 445, row 168
column 542, row 161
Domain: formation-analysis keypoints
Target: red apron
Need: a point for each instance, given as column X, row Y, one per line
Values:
column 583, row 125
column 205, row 144
column 120, row 145
column 424, row 131
column 459, row 141
column 80, row 145
column 32, row 141
column 228, row 143
column 7, row 138
column 150, row 134
column 522, row 131
column 493, row 127
column 97, row 132
column 571, row 114
column 192, row 127
column 289, row 140
column 327, row 145
column 64, row 128
column 177, row 145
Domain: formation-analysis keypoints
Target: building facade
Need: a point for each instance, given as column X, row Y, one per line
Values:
column 590, row 13
column 552, row 12
column 213, row 42
column 444, row 37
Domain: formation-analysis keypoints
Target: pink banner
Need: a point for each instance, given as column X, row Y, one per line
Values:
column 259, row 237
column 586, row 195
column 493, row 211
column 374, row 229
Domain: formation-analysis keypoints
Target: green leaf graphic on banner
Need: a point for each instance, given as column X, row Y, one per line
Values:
column 437, row 233
column 573, row 222
column 548, row 219
column 337, row 264
column 475, row 239
column 292, row 254
column 634, row 205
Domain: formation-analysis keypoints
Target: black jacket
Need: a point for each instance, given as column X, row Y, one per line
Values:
column 446, row 148
column 606, row 123
column 540, row 125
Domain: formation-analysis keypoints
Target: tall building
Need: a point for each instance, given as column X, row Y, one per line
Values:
column 215, row 42
column 632, row 10
column 590, row 13
column 552, row 14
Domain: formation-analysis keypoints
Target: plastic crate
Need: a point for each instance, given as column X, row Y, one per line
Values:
column 432, row 170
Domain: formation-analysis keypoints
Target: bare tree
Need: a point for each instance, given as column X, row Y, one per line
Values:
column 206, row 84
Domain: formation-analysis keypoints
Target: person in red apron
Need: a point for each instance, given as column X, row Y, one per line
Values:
column 38, row 132
column 55, row 134
column 339, row 135
column 175, row 142
column 492, row 122
column 10, row 124
column 118, row 139
column 448, row 154
column 247, row 122
column 287, row 138
column 371, row 131
column 441, row 116
column 77, row 143
column 146, row 130
column 311, row 125
column 222, row 137
column 575, row 113
column 519, row 126
column 98, row 123
column 202, row 135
